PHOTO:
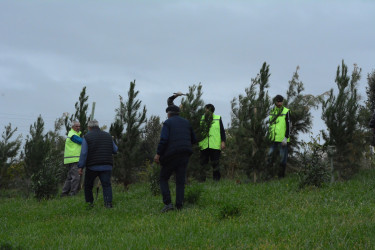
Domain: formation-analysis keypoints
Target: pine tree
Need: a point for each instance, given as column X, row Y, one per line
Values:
column 150, row 137
column 80, row 114
column 300, row 106
column 128, row 160
column 341, row 115
column 192, row 109
column 9, row 149
column 250, row 125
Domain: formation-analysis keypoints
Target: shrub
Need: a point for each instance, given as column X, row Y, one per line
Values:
column 314, row 169
column 153, row 171
column 193, row 193
column 229, row 210
column 44, row 183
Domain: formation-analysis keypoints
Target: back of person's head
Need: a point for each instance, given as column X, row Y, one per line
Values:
column 93, row 124
column 278, row 98
column 173, row 110
column 210, row 107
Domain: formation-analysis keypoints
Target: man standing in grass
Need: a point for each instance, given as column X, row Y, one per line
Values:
column 71, row 158
column 279, row 134
column 96, row 155
column 173, row 152
column 212, row 143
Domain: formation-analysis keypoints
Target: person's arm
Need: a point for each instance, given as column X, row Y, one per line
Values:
column 162, row 143
column 171, row 99
column 192, row 136
column 222, row 132
column 83, row 156
column 115, row 148
column 76, row 139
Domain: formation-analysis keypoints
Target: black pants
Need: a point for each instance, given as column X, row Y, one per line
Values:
column 105, row 179
column 212, row 155
column 178, row 165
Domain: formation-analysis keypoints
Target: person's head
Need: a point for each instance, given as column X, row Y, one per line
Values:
column 172, row 110
column 76, row 126
column 93, row 124
column 210, row 107
column 278, row 101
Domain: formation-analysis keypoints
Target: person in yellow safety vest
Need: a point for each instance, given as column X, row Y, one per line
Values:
column 71, row 159
column 279, row 131
column 212, row 144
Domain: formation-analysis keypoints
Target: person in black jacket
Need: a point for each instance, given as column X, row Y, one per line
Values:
column 173, row 153
column 96, row 155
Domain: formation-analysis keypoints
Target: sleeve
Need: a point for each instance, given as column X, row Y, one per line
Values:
column 222, row 131
column 115, row 148
column 163, row 139
column 76, row 139
column 83, row 156
column 192, row 136
column 287, row 120
column 171, row 99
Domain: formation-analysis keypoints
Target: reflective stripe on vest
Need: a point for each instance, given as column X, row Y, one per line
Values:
column 214, row 137
column 72, row 149
column 277, row 128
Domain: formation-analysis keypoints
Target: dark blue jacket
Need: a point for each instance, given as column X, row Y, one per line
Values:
column 177, row 137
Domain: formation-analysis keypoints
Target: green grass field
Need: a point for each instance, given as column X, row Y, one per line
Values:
column 274, row 214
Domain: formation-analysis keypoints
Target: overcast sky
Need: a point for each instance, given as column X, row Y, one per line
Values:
column 50, row 50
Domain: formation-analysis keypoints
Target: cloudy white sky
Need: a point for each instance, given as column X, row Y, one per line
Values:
column 50, row 50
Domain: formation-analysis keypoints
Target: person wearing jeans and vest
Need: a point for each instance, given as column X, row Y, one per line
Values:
column 279, row 131
column 212, row 143
column 96, row 155
column 173, row 153
column 71, row 158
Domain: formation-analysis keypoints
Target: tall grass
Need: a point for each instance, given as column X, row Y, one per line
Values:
column 275, row 214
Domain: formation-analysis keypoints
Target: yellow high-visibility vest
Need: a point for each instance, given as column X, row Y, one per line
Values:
column 278, row 126
column 213, row 140
column 72, row 149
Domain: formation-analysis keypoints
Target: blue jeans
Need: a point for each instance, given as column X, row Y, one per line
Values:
column 105, row 179
column 177, row 164
column 283, row 152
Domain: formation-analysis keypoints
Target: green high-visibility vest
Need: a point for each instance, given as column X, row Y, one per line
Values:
column 72, row 149
column 213, row 140
column 278, row 124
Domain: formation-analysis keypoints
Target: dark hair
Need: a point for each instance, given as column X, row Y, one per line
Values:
column 210, row 107
column 173, row 109
column 278, row 98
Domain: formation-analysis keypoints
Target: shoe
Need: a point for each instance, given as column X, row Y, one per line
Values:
column 108, row 205
column 167, row 208
column 63, row 195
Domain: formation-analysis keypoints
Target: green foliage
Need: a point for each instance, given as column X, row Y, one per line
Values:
column 150, row 137
column 229, row 210
column 9, row 149
column 153, row 171
column 128, row 160
column 341, row 115
column 43, row 159
column 250, row 124
column 80, row 114
column 193, row 193
column 300, row 106
column 314, row 170
column 192, row 109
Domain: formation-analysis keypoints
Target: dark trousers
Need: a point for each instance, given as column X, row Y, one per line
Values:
column 212, row 155
column 105, row 179
column 283, row 153
column 177, row 165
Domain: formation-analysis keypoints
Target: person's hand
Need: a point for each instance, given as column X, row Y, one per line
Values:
column 222, row 145
column 80, row 171
column 156, row 158
column 179, row 93
column 284, row 142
